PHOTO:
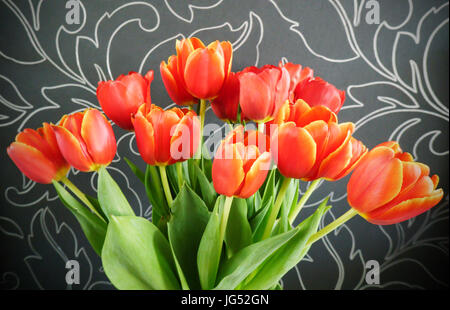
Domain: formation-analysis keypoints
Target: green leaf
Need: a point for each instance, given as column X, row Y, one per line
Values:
column 111, row 198
column 93, row 227
column 208, row 192
column 207, row 168
column 135, row 169
column 173, row 178
column 238, row 234
column 155, row 194
column 185, row 229
column 186, row 174
column 287, row 256
column 96, row 205
column 259, row 221
column 137, row 256
column 209, row 251
column 183, row 281
column 247, row 260
column 290, row 198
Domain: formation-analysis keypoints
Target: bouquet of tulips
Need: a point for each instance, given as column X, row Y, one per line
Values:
column 228, row 222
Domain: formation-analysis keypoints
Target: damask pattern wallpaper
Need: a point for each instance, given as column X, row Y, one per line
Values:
column 393, row 66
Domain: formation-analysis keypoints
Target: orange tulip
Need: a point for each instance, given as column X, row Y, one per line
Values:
column 389, row 187
column 36, row 154
column 166, row 137
column 309, row 143
column 122, row 98
column 297, row 74
column 263, row 91
column 198, row 71
column 316, row 91
column 86, row 140
column 240, row 166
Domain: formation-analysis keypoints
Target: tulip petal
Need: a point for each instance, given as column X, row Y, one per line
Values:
column 359, row 150
column 337, row 161
column 227, row 171
column 255, row 176
column 255, row 96
column 99, row 137
column 72, row 151
column 406, row 209
column 185, row 139
column 204, row 72
column 293, row 150
column 145, row 138
column 376, row 181
column 32, row 162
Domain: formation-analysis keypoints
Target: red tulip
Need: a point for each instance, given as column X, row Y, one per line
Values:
column 226, row 105
column 263, row 91
column 316, row 91
column 309, row 143
column 198, row 71
column 297, row 75
column 240, row 166
column 166, row 137
column 122, row 98
column 389, row 187
column 36, row 154
column 86, row 140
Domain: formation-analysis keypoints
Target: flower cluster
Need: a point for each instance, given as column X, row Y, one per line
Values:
column 246, row 197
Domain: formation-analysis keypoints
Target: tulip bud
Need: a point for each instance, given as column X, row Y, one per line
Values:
column 198, row 71
column 120, row 99
column 166, row 137
column 263, row 91
column 389, row 187
column 36, row 154
column 297, row 75
column 315, row 91
column 86, row 140
column 226, row 105
column 240, row 165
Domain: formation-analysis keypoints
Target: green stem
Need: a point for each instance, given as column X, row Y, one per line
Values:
column 230, row 125
column 261, row 127
column 202, row 124
column 224, row 219
column 81, row 196
column 179, row 174
column 165, row 184
column 276, row 209
column 294, row 212
column 332, row 226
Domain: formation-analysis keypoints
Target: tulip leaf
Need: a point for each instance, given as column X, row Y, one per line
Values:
column 207, row 168
column 173, row 178
column 96, row 205
column 287, row 256
column 242, row 264
column 111, row 198
column 135, row 169
column 238, row 234
column 93, row 227
column 155, row 194
column 268, row 260
column 209, row 251
column 136, row 255
column 290, row 199
column 260, row 219
column 185, row 229
column 207, row 190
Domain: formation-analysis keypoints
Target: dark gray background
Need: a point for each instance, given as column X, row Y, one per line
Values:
column 395, row 75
